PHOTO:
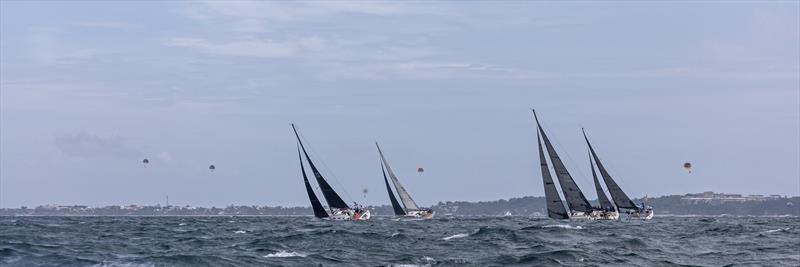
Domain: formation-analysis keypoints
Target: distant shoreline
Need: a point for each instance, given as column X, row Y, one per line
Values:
column 392, row 216
column 699, row 204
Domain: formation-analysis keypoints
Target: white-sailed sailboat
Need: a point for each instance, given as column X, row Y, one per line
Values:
column 409, row 210
column 337, row 208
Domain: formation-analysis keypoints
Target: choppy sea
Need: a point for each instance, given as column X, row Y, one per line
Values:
column 383, row 241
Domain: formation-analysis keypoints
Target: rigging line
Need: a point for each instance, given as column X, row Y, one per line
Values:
column 380, row 164
column 610, row 169
column 591, row 162
column 317, row 190
column 325, row 167
column 571, row 161
column 547, row 160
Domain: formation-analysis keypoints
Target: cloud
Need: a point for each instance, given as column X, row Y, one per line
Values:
column 46, row 46
column 87, row 145
column 260, row 16
column 250, row 48
column 105, row 24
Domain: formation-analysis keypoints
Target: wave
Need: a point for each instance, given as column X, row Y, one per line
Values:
column 776, row 230
column 240, row 232
column 285, row 254
column 455, row 236
column 123, row 264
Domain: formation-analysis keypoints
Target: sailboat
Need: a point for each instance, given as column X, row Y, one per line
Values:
column 621, row 200
column 337, row 208
column 409, row 210
column 606, row 210
column 579, row 207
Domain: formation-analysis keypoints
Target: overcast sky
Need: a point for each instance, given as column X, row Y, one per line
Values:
column 89, row 89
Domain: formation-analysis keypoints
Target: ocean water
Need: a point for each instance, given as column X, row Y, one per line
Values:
column 444, row 241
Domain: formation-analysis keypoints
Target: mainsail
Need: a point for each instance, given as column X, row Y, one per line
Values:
column 398, row 210
column 319, row 211
column 620, row 198
column 555, row 208
column 333, row 199
column 575, row 198
column 601, row 196
column 408, row 202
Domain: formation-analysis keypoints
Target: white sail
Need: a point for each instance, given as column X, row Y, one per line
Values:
column 401, row 191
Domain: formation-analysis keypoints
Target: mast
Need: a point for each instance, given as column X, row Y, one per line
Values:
column 575, row 198
column 398, row 210
column 620, row 198
column 333, row 199
column 555, row 208
column 408, row 202
column 605, row 204
column 319, row 211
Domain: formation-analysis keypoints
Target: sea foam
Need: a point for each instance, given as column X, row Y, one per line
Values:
column 285, row 254
column 564, row 226
column 455, row 236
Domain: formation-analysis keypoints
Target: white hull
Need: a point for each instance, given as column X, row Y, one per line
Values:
column 418, row 215
column 604, row 215
column 594, row 215
column 580, row 216
column 349, row 215
column 642, row 215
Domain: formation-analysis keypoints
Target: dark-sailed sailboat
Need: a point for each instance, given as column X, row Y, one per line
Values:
column 337, row 208
column 606, row 210
column 621, row 200
column 579, row 207
column 409, row 208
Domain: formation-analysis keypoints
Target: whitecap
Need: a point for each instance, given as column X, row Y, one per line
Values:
column 564, row 226
column 455, row 236
column 284, row 254
column 240, row 232
column 775, row 230
column 181, row 224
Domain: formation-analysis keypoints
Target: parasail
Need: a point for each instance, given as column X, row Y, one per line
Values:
column 211, row 167
column 688, row 167
column 365, row 191
column 145, row 161
column 420, row 170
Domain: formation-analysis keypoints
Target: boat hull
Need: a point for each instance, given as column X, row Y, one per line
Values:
column 580, row 216
column 349, row 215
column 604, row 215
column 418, row 215
column 642, row 215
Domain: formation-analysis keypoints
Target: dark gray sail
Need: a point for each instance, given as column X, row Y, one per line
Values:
column 319, row 211
column 605, row 204
column 555, row 208
column 333, row 199
column 620, row 198
column 398, row 210
column 575, row 198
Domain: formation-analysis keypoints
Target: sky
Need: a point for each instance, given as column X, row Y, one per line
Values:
column 89, row 89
